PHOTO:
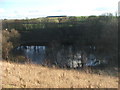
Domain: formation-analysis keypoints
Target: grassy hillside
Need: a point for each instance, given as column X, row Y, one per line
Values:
column 36, row 76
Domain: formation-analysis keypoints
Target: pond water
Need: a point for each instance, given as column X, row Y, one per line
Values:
column 34, row 53
column 64, row 56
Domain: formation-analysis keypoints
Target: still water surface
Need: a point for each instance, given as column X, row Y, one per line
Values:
column 64, row 56
column 35, row 53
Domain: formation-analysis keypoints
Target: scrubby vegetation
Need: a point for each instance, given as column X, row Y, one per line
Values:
column 10, row 39
column 55, row 32
column 100, row 31
column 34, row 76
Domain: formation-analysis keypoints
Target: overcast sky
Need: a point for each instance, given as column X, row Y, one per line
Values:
column 40, row 8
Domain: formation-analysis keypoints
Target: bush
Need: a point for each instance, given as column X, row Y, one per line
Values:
column 10, row 39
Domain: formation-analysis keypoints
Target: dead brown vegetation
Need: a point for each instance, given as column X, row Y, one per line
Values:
column 36, row 76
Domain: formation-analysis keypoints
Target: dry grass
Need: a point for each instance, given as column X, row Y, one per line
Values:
column 36, row 76
column 0, row 36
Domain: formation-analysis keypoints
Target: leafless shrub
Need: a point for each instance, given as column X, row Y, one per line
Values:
column 10, row 40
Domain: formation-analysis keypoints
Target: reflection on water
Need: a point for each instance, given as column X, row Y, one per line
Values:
column 64, row 56
column 35, row 53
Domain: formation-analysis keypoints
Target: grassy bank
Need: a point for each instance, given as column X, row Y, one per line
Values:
column 35, row 76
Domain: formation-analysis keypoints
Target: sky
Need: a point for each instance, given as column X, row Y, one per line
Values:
column 19, row 9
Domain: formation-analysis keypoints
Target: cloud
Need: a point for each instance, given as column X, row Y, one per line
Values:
column 119, row 8
column 2, row 10
column 38, row 8
column 33, row 11
column 101, row 9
